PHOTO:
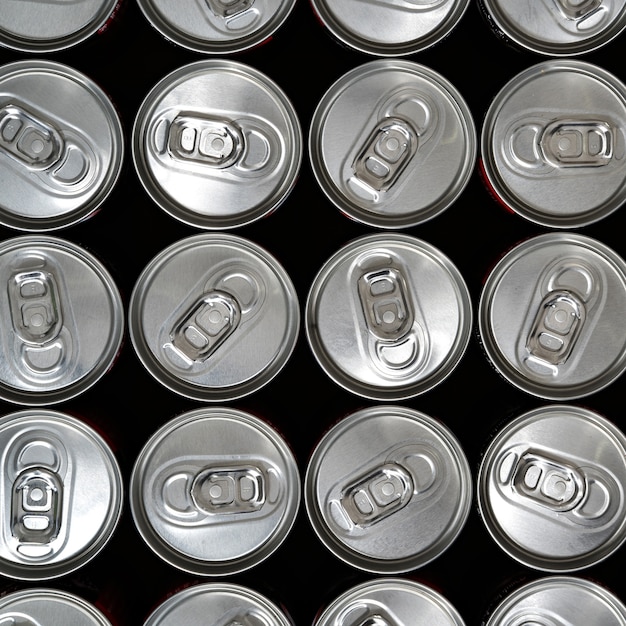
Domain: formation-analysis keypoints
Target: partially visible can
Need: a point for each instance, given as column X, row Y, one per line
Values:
column 214, row 317
column 392, row 143
column 559, row 601
column 388, row 489
column 217, row 26
column 551, row 488
column 217, row 144
column 215, row 491
column 557, row 27
column 551, row 316
column 62, row 320
column 61, row 144
column 218, row 603
column 391, row 27
column 48, row 606
column 52, row 26
column 390, row 601
column 553, row 143
column 61, row 494
column 388, row 316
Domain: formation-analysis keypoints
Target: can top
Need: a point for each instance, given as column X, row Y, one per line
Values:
column 215, row 491
column 61, row 143
column 390, row 601
column 62, row 494
column 388, row 316
column 560, row 600
column 558, row 27
column 550, row 488
column 551, row 316
column 553, row 143
column 51, row 26
column 217, row 26
column 388, row 489
column 390, row 27
column 46, row 606
column 214, row 317
column 217, row 603
column 217, row 144
column 53, row 290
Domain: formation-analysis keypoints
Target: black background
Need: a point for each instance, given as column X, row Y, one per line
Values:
column 126, row 578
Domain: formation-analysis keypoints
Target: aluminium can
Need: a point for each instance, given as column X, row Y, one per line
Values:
column 214, row 317
column 215, row 491
column 61, row 144
column 62, row 320
column 556, row 28
column 388, row 316
column 553, row 144
column 551, row 316
column 392, row 143
column 388, row 489
column 217, row 144
column 218, row 603
column 41, row 605
column 559, row 601
column 390, row 601
column 61, row 493
column 215, row 27
column 551, row 488
column 390, row 27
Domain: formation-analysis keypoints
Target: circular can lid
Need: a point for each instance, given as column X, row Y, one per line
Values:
column 551, row 488
column 388, row 316
column 558, row 27
column 388, row 489
column 390, row 601
column 392, row 143
column 559, row 600
column 44, row 606
column 61, row 144
column 551, row 316
column 215, row 491
column 214, row 317
column 208, row 603
column 217, row 26
column 390, row 27
column 553, row 143
column 217, row 144
column 52, row 467
column 52, row 26
column 53, row 290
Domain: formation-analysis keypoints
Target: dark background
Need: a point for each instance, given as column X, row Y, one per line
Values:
column 126, row 578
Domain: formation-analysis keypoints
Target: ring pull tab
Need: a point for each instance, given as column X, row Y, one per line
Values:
column 17, row 619
column 366, row 614
column 578, row 10
column 572, row 143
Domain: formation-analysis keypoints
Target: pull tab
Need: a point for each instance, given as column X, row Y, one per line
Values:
column 578, row 10
column 571, row 143
column 364, row 614
column 17, row 619
column 229, row 8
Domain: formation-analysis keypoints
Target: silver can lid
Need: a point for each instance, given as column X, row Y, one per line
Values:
column 558, row 27
column 559, row 600
column 390, row 27
column 388, row 316
column 392, row 143
column 553, row 143
column 215, row 491
column 217, row 603
column 217, row 144
column 551, row 316
column 53, row 292
column 214, row 317
column 61, row 494
column 48, row 606
column 388, row 489
column 390, row 601
column 551, row 488
column 61, row 143
column 51, row 26
column 217, row 26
